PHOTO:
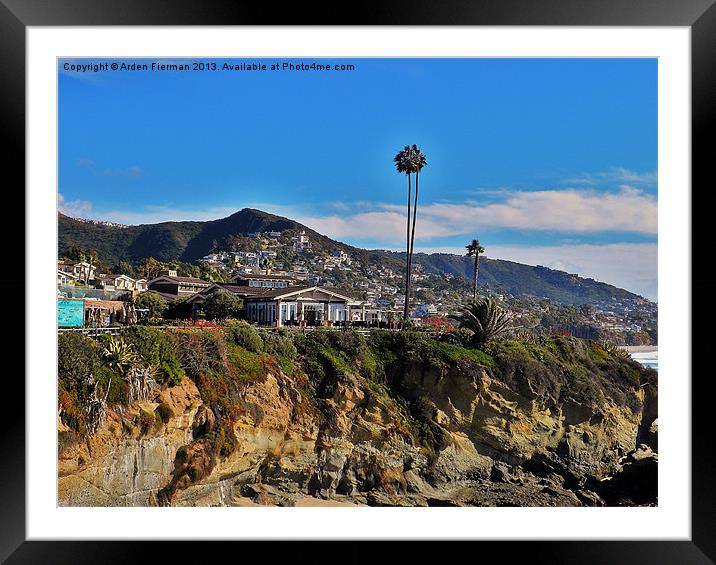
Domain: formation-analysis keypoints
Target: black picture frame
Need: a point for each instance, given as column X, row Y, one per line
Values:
column 699, row 15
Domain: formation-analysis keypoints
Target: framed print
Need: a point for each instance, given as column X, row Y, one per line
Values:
column 399, row 277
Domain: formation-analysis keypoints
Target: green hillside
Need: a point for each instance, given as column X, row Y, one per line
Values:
column 520, row 279
column 189, row 241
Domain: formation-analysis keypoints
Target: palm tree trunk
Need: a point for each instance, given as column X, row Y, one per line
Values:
column 477, row 269
column 407, row 255
column 474, row 280
column 412, row 239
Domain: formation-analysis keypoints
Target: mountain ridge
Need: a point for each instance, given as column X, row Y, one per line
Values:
column 188, row 241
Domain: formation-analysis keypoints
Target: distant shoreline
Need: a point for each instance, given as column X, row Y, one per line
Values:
column 637, row 348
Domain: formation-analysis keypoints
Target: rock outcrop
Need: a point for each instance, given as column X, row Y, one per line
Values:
column 468, row 438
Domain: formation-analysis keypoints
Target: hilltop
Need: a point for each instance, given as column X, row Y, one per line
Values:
column 191, row 240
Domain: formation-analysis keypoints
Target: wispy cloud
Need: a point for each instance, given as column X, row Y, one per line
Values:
column 157, row 214
column 615, row 176
column 74, row 208
column 132, row 171
column 85, row 163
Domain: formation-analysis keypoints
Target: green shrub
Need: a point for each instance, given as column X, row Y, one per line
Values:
column 77, row 357
column 158, row 349
column 118, row 388
column 278, row 344
column 247, row 337
column 247, row 365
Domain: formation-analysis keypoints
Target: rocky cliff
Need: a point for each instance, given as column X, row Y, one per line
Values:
column 383, row 424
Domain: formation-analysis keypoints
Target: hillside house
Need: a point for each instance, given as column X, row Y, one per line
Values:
column 301, row 242
column 116, row 282
column 81, row 270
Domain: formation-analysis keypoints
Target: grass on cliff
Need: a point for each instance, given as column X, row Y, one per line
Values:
column 566, row 368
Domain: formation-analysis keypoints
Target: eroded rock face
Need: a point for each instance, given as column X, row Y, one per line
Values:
column 123, row 465
column 494, row 446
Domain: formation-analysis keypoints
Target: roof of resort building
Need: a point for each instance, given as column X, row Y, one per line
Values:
column 273, row 293
column 193, row 280
column 264, row 277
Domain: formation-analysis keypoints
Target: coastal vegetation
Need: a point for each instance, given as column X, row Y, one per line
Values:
column 223, row 360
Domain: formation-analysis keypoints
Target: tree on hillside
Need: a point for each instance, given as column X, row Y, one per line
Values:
column 156, row 305
column 221, row 305
column 123, row 268
column 150, row 268
column 473, row 250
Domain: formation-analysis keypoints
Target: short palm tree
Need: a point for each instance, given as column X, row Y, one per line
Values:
column 485, row 319
column 474, row 249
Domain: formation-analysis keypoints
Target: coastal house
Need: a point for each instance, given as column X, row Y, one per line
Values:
column 81, row 270
column 64, row 278
column 312, row 305
column 263, row 281
column 424, row 310
column 119, row 283
column 172, row 287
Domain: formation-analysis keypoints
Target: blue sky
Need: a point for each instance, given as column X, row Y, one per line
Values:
column 547, row 161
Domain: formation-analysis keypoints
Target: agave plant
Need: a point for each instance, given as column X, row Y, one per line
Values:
column 615, row 350
column 119, row 355
column 485, row 319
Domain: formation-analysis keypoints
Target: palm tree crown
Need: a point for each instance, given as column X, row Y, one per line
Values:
column 474, row 248
column 417, row 159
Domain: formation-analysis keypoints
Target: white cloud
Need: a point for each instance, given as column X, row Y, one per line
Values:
column 570, row 211
column 632, row 266
column 74, row 208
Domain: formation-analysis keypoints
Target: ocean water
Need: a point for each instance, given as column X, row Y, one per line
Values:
column 649, row 357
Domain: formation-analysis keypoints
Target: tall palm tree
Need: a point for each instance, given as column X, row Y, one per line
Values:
column 418, row 161
column 403, row 164
column 474, row 249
